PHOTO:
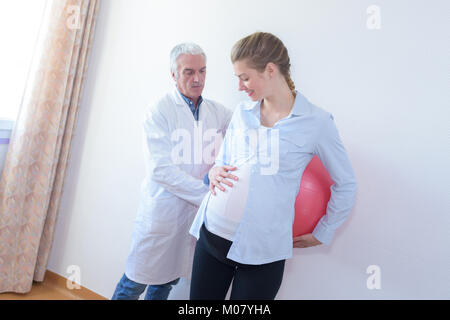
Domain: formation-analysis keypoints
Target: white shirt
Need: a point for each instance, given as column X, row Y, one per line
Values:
column 224, row 211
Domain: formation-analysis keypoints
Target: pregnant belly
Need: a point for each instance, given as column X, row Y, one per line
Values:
column 231, row 204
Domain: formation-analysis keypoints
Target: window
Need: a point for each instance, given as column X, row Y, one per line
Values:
column 20, row 21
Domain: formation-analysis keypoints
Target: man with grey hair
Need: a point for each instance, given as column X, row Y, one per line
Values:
column 162, row 249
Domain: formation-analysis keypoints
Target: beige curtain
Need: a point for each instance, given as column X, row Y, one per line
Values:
column 33, row 176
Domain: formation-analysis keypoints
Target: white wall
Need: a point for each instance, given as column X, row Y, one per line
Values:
column 388, row 91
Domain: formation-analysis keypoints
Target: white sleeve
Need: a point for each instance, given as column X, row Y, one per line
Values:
column 161, row 167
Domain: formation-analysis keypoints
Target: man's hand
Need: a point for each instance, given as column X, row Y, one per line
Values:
column 218, row 175
column 305, row 241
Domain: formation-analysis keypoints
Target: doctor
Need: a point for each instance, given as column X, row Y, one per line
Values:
column 162, row 248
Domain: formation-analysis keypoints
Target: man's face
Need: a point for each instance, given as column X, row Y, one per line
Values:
column 192, row 73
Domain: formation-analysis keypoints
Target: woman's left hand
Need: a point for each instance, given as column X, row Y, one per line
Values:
column 305, row 241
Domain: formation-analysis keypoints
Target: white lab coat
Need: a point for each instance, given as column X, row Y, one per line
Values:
column 162, row 248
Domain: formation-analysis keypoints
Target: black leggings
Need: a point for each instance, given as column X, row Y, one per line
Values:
column 212, row 273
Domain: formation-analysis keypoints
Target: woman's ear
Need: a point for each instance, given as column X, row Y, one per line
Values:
column 271, row 69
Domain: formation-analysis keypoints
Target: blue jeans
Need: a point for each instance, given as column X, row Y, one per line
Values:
column 129, row 290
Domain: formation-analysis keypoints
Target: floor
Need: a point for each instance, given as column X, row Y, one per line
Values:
column 39, row 291
column 52, row 288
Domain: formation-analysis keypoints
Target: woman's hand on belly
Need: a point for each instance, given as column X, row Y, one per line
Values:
column 305, row 241
column 218, row 175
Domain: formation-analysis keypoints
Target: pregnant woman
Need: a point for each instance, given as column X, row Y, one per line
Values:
column 244, row 224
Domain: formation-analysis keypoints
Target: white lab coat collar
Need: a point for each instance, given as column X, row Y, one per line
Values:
column 177, row 97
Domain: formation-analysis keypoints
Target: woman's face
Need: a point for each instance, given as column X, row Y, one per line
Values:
column 253, row 82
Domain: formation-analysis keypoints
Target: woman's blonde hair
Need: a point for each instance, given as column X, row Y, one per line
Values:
column 260, row 48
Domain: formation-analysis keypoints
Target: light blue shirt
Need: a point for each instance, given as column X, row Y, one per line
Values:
column 264, row 234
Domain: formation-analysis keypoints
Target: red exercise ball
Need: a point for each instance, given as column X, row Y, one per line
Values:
column 312, row 199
